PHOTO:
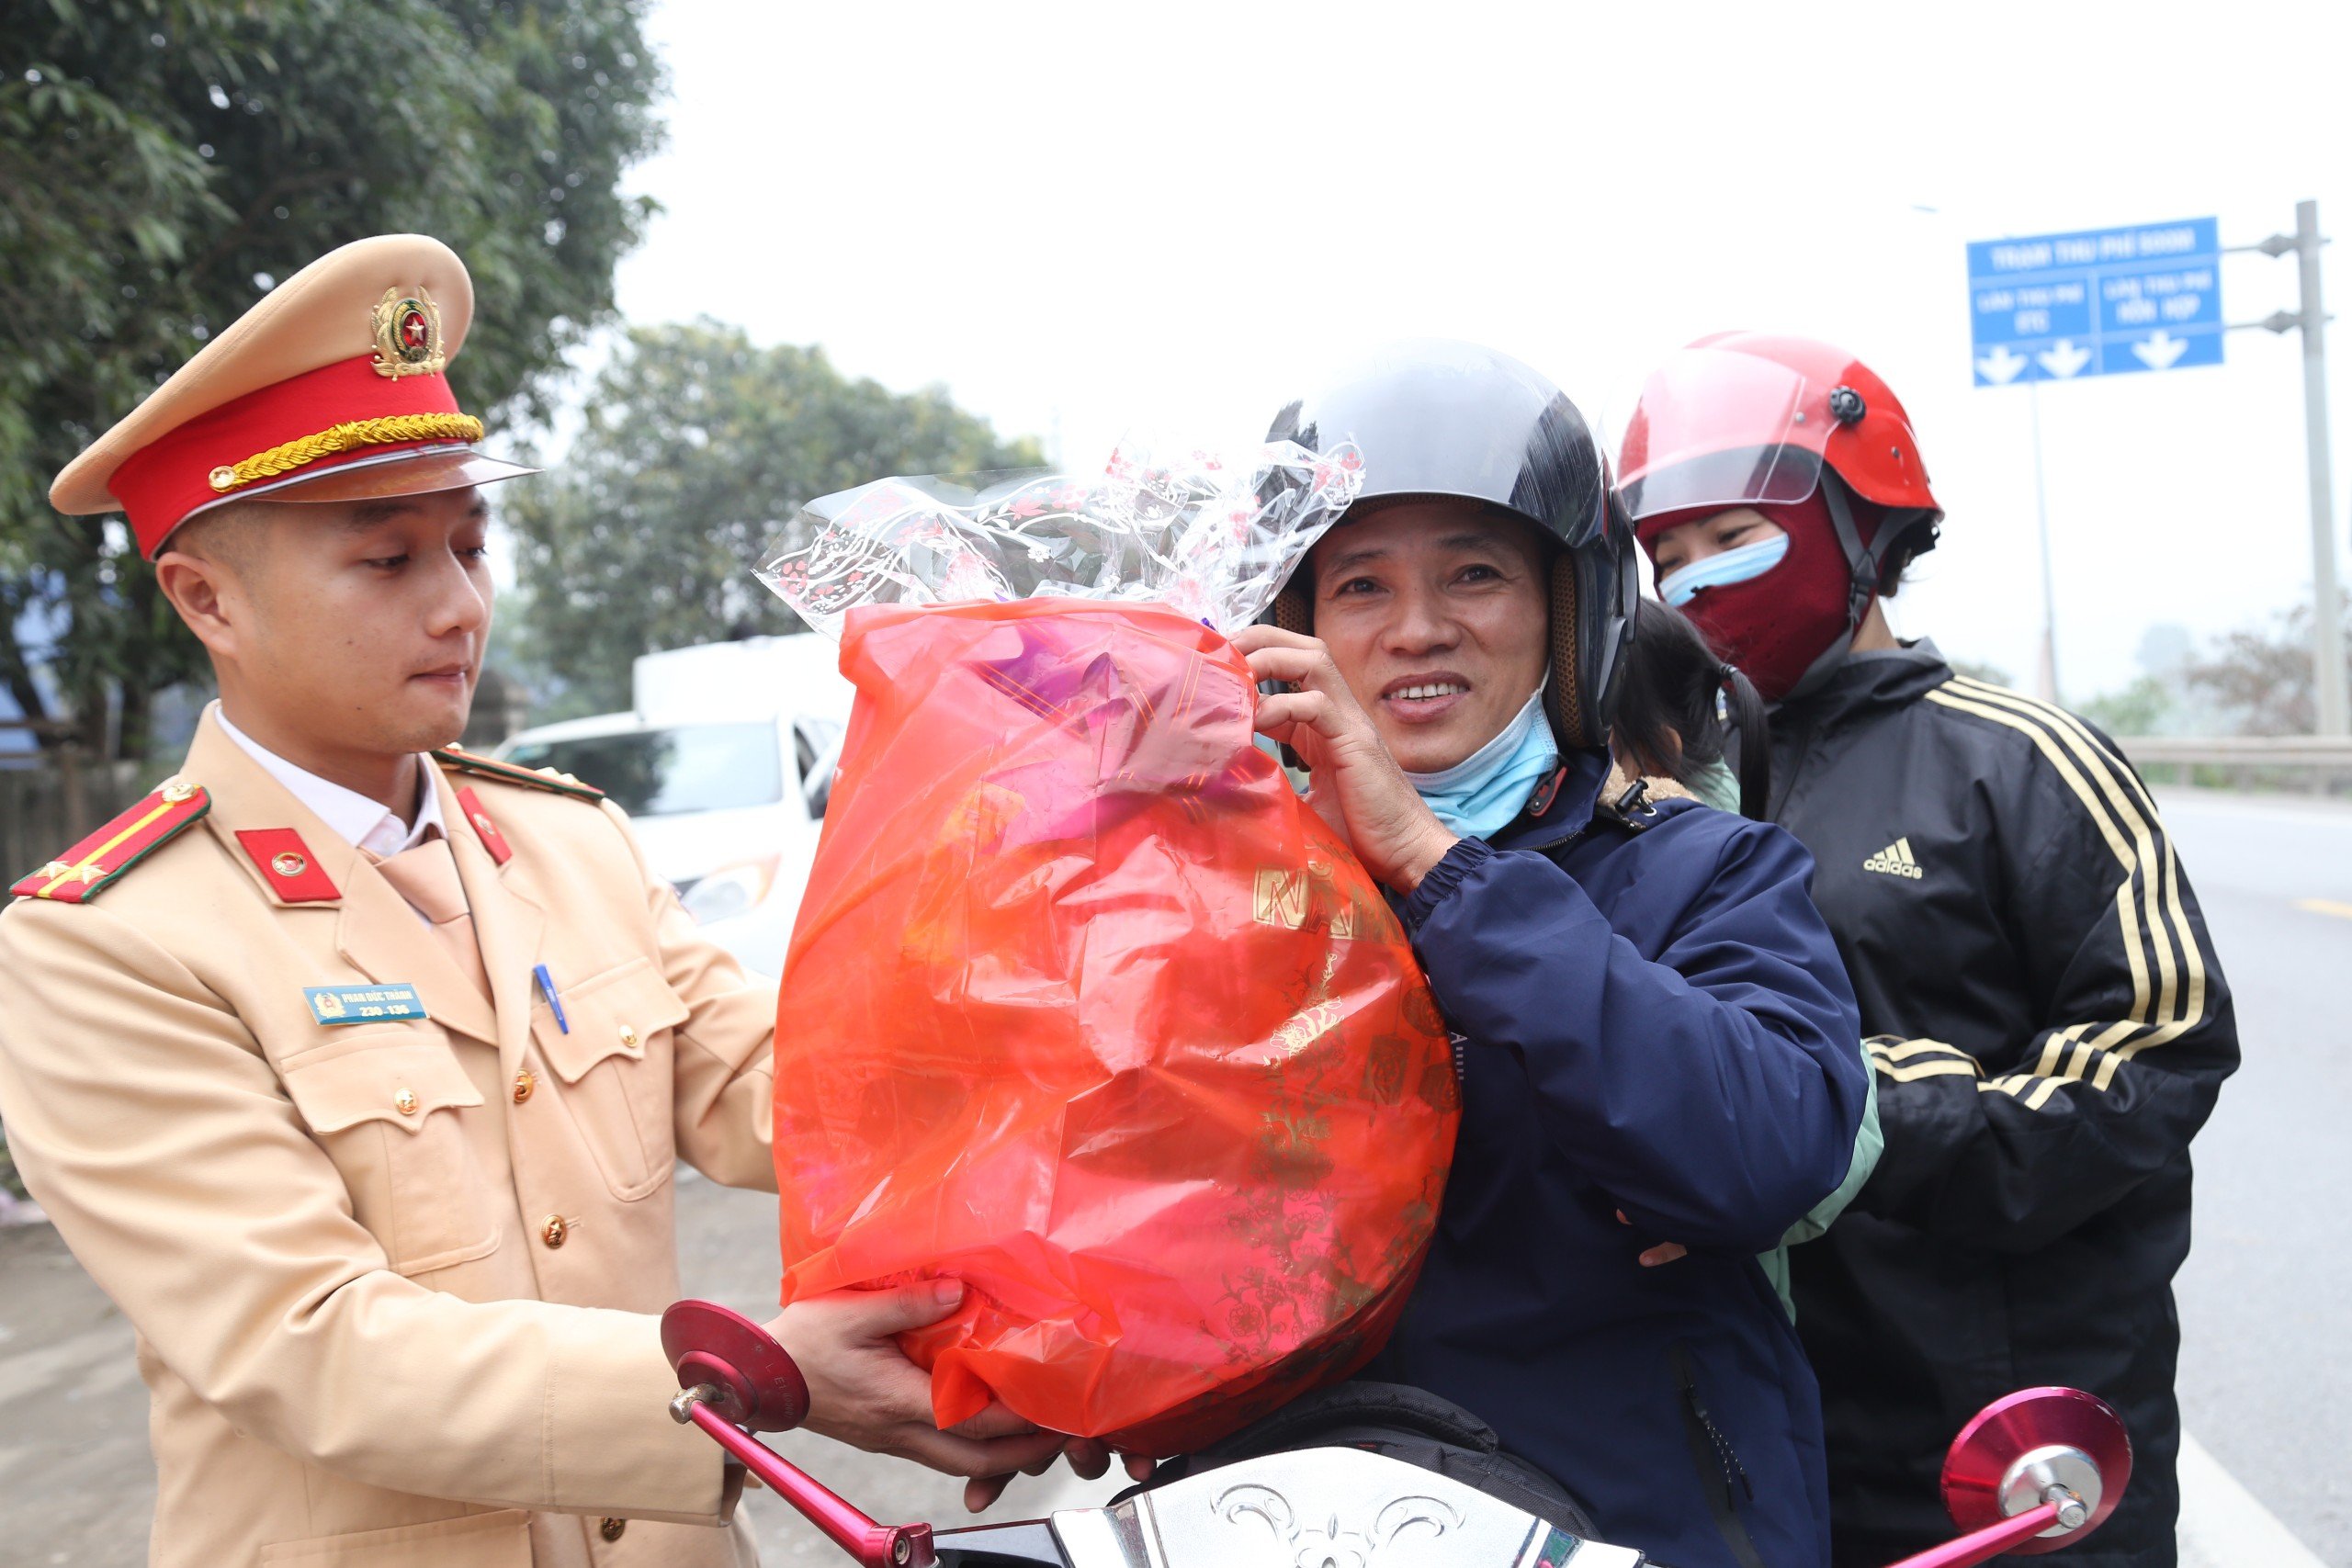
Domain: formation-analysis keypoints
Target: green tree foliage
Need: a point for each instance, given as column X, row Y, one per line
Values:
column 2143, row 707
column 162, row 163
column 699, row 452
column 2261, row 676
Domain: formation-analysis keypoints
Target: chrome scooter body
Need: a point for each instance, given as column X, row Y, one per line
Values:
column 1309, row 1509
column 2029, row 1474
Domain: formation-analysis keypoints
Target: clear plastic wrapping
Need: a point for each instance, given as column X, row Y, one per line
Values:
column 1209, row 536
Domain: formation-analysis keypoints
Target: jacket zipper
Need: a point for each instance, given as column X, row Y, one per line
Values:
column 1720, row 1471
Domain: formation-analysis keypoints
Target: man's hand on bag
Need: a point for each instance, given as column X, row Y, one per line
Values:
column 864, row 1392
column 1088, row 1458
column 1359, row 789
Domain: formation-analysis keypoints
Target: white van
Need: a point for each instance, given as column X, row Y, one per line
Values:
column 723, row 765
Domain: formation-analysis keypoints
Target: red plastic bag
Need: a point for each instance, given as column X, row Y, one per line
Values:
column 1087, row 1010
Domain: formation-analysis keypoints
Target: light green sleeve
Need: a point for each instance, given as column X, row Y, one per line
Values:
column 1868, row 1142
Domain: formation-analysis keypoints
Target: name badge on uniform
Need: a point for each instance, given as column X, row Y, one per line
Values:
column 363, row 1004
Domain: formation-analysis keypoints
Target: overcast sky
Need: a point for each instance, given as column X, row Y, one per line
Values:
column 1176, row 217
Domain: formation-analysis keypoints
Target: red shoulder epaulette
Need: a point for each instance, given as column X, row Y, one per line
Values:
column 89, row 867
column 509, row 772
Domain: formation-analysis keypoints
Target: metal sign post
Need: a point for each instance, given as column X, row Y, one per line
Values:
column 2110, row 301
column 2327, row 600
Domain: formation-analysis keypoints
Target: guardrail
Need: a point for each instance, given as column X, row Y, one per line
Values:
column 2312, row 764
column 2325, row 752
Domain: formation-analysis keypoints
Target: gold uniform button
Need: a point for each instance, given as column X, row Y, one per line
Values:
column 524, row 1082
column 405, row 1102
column 628, row 1036
column 555, row 1230
column 290, row 864
column 611, row 1528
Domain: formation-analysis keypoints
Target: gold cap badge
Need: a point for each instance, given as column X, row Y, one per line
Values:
column 408, row 333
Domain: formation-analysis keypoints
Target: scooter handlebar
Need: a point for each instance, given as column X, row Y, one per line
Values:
column 738, row 1380
column 2058, row 1456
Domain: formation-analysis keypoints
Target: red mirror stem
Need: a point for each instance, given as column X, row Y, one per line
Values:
column 1976, row 1546
column 874, row 1545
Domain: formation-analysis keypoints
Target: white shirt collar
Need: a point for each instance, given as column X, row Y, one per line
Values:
column 355, row 819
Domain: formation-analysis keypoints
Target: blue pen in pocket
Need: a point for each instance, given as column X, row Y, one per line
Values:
column 547, row 989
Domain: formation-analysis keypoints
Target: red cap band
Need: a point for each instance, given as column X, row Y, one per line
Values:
column 162, row 482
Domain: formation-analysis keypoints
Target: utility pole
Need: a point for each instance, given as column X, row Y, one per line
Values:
column 2003, row 367
column 2327, row 622
column 2327, row 607
column 2047, row 676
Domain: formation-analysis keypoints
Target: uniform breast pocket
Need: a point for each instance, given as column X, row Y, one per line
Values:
column 616, row 1069
column 388, row 1106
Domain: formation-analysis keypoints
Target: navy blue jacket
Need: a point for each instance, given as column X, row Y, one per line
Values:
column 1655, row 1021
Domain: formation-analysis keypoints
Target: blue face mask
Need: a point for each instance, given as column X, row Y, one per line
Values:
column 1721, row 569
column 1484, row 792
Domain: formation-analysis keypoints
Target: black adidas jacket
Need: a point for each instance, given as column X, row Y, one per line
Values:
column 2049, row 1030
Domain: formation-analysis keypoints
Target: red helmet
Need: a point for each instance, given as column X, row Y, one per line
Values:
column 1747, row 419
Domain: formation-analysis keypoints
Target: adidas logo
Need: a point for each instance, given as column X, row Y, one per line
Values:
column 1895, row 861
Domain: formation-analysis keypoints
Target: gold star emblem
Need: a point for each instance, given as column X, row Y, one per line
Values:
column 54, row 870
column 89, row 871
column 408, row 334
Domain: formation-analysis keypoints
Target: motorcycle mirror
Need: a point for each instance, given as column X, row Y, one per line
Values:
column 752, row 1383
column 2037, row 1449
column 734, row 1380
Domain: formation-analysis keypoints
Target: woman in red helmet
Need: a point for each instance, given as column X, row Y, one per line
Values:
column 2050, row 1027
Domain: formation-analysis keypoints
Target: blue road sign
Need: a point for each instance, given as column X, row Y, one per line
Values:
column 2097, row 303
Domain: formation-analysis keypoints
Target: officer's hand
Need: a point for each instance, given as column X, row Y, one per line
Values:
column 1358, row 787
column 1089, row 1457
column 863, row 1390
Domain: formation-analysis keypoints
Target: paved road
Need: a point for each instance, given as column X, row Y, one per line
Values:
column 2266, row 1373
column 2266, row 1376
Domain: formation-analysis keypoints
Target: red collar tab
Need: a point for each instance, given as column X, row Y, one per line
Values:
column 302, row 426
column 82, row 873
column 286, row 864
column 484, row 828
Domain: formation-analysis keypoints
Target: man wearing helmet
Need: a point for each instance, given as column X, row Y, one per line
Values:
column 2050, row 1026
column 1655, row 1039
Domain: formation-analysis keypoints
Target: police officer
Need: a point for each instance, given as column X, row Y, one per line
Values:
column 1656, row 1042
column 2051, row 1025
column 355, row 1068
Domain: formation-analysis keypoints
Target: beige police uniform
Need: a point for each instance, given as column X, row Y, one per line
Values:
column 394, row 1281
column 393, row 1267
